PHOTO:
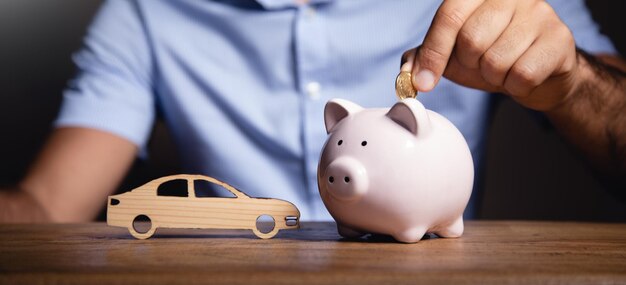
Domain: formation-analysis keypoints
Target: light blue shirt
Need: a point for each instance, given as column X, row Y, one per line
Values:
column 242, row 84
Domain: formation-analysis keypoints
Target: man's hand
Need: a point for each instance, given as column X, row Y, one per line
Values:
column 520, row 48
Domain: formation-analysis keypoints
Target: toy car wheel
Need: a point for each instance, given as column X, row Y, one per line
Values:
column 142, row 227
column 259, row 232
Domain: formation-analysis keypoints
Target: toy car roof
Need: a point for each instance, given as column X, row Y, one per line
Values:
column 160, row 180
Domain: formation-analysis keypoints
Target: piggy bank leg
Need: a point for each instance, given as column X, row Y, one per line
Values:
column 348, row 232
column 411, row 235
column 453, row 230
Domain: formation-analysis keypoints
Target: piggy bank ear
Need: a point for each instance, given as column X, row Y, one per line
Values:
column 411, row 115
column 337, row 110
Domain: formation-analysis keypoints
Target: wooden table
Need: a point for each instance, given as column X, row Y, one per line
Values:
column 490, row 252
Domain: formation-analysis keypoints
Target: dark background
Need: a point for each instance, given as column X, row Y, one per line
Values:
column 530, row 173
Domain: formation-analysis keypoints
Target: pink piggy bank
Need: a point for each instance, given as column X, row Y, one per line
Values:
column 403, row 171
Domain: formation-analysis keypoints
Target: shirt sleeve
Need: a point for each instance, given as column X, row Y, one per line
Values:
column 112, row 90
column 586, row 31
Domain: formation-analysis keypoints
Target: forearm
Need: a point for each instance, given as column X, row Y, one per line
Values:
column 19, row 207
column 593, row 117
column 76, row 171
column 71, row 178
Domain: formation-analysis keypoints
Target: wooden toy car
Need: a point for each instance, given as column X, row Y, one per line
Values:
column 240, row 212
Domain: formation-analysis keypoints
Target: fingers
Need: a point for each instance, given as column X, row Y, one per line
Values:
column 468, row 77
column 543, row 59
column 521, row 48
column 406, row 63
column 433, row 55
column 495, row 63
column 481, row 30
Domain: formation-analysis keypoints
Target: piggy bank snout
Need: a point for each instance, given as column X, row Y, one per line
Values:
column 346, row 179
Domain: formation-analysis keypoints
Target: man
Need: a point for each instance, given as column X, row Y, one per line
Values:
column 242, row 85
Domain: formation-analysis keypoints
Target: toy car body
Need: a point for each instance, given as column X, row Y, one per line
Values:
column 241, row 212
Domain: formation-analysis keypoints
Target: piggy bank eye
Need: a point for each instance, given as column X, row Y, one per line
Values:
column 364, row 143
column 339, row 142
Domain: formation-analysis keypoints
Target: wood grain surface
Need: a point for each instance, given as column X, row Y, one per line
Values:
column 490, row 252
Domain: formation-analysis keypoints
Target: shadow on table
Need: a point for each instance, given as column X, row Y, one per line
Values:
column 380, row 238
column 318, row 232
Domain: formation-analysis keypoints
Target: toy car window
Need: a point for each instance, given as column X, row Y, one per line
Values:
column 173, row 188
column 207, row 189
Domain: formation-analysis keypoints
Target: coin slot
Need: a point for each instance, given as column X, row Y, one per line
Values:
column 331, row 179
column 339, row 142
column 346, row 179
column 364, row 143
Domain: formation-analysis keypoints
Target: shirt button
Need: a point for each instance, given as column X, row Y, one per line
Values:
column 313, row 90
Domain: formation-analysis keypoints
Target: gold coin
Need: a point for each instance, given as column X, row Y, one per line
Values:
column 404, row 86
